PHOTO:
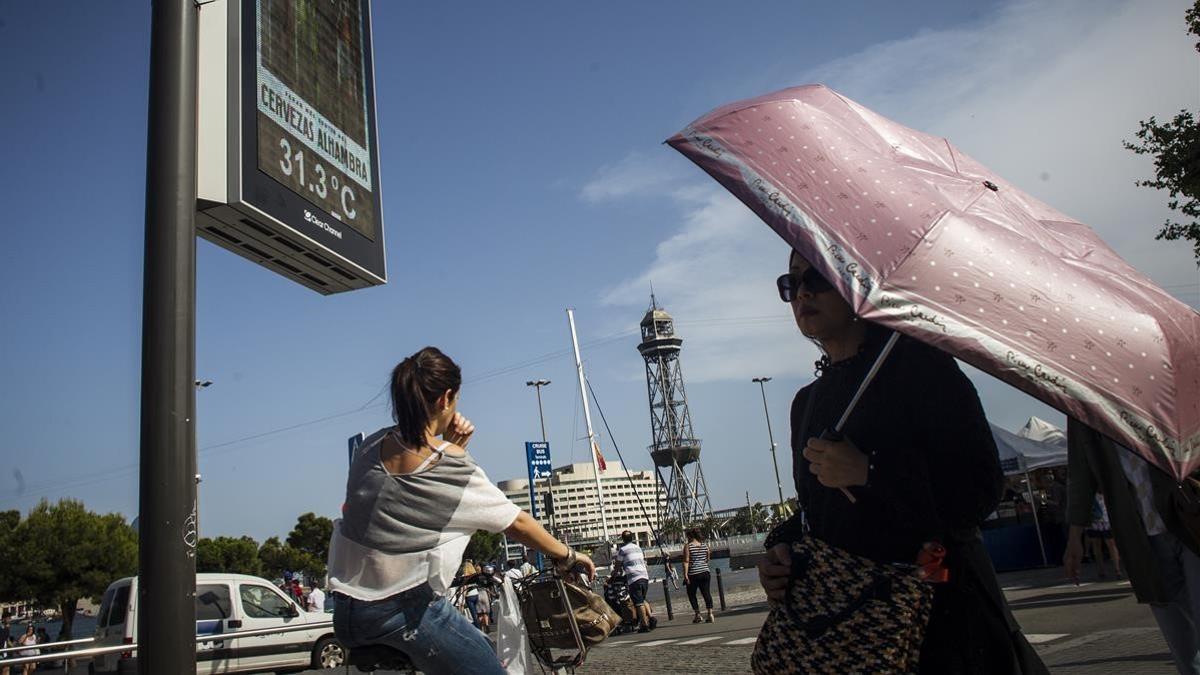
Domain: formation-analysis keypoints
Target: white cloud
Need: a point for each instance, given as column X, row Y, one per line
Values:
column 634, row 174
column 1041, row 93
column 716, row 277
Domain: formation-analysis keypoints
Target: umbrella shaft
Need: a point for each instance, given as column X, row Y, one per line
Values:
column 883, row 354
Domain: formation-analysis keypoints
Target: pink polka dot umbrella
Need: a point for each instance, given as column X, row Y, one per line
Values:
column 920, row 237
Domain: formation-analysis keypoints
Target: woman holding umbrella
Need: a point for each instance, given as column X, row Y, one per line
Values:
column 917, row 464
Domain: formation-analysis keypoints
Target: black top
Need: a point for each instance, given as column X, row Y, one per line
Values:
column 934, row 467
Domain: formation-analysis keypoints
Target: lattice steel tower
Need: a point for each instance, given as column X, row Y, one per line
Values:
column 674, row 446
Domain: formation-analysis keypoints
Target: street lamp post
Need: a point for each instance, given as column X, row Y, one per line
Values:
column 762, row 381
column 538, row 384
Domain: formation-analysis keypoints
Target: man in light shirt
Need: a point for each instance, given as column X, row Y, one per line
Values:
column 514, row 571
column 637, row 578
column 316, row 599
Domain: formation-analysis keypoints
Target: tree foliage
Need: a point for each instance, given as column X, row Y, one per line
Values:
column 485, row 546
column 277, row 557
column 237, row 555
column 62, row 552
column 1175, row 146
column 311, row 535
column 749, row 520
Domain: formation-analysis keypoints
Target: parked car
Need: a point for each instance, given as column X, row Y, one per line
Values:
column 225, row 603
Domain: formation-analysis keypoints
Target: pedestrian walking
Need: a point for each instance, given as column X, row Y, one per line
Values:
column 6, row 640
column 414, row 497
column 483, row 607
column 1099, row 535
column 471, row 594
column 514, row 570
column 29, row 639
column 696, row 574
column 637, row 577
column 920, row 462
column 316, row 599
column 1162, row 559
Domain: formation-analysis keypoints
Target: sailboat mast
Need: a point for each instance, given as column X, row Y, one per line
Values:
column 587, row 418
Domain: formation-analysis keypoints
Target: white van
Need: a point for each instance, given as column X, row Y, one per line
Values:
column 225, row 603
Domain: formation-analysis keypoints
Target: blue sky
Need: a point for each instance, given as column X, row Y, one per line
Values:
column 522, row 173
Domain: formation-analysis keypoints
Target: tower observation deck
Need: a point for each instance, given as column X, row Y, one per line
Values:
column 674, row 447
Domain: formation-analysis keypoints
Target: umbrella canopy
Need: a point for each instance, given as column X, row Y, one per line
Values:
column 1020, row 453
column 920, row 237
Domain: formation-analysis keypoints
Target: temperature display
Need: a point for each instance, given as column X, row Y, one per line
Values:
column 313, row 135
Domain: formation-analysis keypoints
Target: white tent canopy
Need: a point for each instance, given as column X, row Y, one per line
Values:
column 1038, row 445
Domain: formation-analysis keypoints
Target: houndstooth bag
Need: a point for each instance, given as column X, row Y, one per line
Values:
column 844, row 614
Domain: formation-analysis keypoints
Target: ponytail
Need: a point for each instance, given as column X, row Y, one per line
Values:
column 416, row 384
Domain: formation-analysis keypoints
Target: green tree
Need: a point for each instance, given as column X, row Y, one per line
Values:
column 749, row 520
column 311, row 535
column 63, row 552
column 485, row 546
column 238, row 555
column 1175, row 147
column 277, row 557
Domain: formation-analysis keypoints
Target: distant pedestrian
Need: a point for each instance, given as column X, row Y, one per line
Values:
column 483, row 603
column 470, row 597
column 637, row 577
column 1099, row 535
column 514, row 571
column 316, row 599
column 5, row 641
column 29, row 639
column 696, row 574
column 527, row 567
column 1162, row 559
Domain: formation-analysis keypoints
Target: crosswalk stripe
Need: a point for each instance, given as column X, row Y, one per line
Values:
column 743, row 641
column 1039, row 638
column 696, row 641
column 655, row 643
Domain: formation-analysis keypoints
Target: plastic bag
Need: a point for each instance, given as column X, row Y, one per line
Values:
column 512, row 641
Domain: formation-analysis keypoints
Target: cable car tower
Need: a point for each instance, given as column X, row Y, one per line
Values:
column 674, row 446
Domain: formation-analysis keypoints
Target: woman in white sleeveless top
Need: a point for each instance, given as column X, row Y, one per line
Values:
column 414, row 497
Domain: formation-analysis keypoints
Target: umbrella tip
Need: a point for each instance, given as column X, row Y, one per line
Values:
column 991, row 186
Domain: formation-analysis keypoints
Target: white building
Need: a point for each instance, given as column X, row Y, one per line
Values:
column 576, row 509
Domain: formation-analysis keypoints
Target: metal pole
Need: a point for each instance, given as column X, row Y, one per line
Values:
column 770, row 436
column 720, row 588
column 1036, row 525
column 587, row 418
column 167, row 486
column 538, row 384
column 667, row 600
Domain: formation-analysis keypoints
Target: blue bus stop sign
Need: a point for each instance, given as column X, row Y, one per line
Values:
column 537, row 460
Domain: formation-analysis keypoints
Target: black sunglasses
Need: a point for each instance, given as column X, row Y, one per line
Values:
column 790, row 284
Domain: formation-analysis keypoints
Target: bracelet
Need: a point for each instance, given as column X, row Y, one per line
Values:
column 568, row 561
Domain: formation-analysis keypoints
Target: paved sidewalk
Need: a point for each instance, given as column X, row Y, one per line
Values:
column 1093, row 627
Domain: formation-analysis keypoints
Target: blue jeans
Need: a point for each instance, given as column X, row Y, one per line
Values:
column 422, row 625
column 473, row 608
column 1179, row 569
